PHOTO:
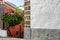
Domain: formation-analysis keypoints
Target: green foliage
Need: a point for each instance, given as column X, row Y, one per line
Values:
column 12, row 20
column 18, row 10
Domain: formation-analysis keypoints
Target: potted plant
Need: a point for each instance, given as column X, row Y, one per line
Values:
column 12, row 20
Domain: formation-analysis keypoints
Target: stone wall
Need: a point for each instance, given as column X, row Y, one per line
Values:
column 42, row 34
column 45, row 20
column 45, row 34
column 27, row 33
column 45, row 14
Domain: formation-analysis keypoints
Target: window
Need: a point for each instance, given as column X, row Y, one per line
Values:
column 28, row 8
column 27, row 22
column 25, row 8
column 27, row 17
column 27, row 12
column 27, row 3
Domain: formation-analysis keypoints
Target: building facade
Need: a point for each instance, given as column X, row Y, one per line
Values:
column 45, row 20
column 8, row 7
column 27, row 13
column 1, row 1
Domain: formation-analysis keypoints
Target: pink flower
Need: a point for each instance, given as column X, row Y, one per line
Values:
column 21, row 14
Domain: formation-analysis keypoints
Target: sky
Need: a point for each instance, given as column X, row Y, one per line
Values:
column 17, row 2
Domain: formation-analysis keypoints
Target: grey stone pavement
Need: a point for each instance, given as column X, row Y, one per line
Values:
column 41, row 34
column 11, row 39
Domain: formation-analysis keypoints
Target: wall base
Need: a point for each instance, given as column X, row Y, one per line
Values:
column 42, row 34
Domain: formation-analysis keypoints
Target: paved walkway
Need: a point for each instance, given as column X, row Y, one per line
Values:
column 3, row 33
column 11, row 39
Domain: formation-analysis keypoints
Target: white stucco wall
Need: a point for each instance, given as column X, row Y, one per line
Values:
column 3, row 33
column 45, row 14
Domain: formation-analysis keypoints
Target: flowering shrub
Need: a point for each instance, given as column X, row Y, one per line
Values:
column 11, row 20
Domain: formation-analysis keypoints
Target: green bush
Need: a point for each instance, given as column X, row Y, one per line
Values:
column 11, row 20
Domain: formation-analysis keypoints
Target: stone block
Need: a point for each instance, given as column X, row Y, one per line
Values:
column 45, row 34
column 27, row 33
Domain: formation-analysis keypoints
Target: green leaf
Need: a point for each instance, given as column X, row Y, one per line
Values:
column 12, row 20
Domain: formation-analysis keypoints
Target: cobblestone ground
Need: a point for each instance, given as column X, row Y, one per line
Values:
column 11, row 39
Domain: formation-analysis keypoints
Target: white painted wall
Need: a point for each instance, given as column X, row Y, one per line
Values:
column 45, row 14
column 3, row 33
